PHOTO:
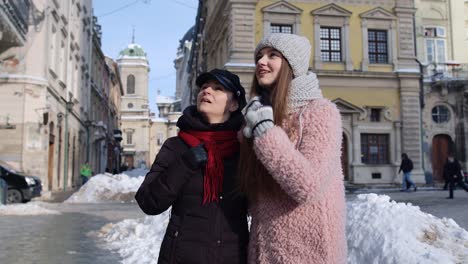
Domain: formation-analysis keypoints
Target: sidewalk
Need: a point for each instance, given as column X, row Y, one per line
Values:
column 387, row 188
column 56, row 196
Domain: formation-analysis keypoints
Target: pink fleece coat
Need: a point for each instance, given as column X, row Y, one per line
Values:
column 306, row 222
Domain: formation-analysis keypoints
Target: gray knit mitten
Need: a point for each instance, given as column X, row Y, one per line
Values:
column 259, row 121
column 252, row 105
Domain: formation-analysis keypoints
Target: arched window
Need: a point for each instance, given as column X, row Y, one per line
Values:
column 130, row 84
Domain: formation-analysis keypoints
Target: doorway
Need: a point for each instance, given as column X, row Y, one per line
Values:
column 50, row 166
column 441, row 145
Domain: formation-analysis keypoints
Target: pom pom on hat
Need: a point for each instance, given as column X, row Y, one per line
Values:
column 295, row 49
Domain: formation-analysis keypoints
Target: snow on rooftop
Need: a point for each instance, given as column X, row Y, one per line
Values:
column 31, row 208
column 378, row 231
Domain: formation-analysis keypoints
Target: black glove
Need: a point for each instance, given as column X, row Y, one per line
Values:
column 196, row 156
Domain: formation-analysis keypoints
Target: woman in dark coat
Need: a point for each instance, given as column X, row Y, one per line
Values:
column 195, row 173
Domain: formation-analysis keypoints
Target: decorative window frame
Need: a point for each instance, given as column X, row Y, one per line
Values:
column 332, row 15
column 379, row 19
column 281, row 12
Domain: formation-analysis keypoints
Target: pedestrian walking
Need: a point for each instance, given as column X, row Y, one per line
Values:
column 453, row 174
column 407, row 167
column 196, row 174
column 85, row 172
column 290, row 160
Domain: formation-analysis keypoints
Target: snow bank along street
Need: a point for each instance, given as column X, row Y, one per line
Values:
column 379, row 230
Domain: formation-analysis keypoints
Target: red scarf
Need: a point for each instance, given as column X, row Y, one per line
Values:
column 219, row 145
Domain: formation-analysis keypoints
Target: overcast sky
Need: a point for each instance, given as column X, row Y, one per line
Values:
column 159, row 25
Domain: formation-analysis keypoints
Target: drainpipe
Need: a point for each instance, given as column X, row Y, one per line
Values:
column 90, row 63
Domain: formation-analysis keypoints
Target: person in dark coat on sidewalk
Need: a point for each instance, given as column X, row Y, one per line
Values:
column 406, row 166
column 196, row 174
column 452, row 172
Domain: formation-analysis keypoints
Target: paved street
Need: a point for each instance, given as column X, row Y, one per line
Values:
column 435, row 203
column 50, row 239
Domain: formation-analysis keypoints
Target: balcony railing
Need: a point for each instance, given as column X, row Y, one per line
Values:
column 448, row 71
column 17, row 14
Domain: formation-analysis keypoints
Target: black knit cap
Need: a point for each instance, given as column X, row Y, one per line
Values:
column 229, row 80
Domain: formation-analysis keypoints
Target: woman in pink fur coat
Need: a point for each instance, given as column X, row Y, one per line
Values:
column 290, row 160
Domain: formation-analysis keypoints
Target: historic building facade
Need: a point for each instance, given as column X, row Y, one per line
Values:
column 51, row 69
column 143, row 133
column 135, row 118
column 364, row 56
column 181, row 64
column 44, row 93
column 442, row 38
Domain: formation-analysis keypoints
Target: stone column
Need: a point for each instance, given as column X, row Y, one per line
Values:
column 393, row 47
column 405, row 11
column 346, row 46
column 356, row 144
column 365, row 46
column 397, row 156
column 411, row 122
column 241, row 29
column 316, row 44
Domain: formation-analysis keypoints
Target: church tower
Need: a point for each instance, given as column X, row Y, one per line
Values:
column 135, row 118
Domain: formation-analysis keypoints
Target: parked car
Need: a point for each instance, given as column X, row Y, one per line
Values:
column 21, row 187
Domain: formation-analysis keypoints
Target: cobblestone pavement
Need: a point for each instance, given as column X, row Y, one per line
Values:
column 433, row 202
column 50, row 239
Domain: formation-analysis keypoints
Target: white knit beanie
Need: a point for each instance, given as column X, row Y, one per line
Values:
column 295, row 49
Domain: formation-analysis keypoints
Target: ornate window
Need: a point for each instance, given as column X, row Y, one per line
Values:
column 440, row 114
column 379, row 38
column 281, row 28
column 375, row 148
column 378, row 51
column 330, row 44
column 331, row 35
column 130, row 84
column 129, row 135
column 281, row 17
column 375, row 114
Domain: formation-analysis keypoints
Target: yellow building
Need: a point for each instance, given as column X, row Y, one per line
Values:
column 364, row 57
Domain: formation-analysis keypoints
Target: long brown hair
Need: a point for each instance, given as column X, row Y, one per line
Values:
column 253, row 176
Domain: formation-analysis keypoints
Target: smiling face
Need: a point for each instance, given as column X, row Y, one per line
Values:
column 215, row 102
column 268, row 65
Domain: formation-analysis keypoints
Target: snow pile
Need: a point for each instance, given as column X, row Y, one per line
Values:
column 107, row 187
column 378, row 231
column 384, row 231
column 31, row 208
column 136, row 240
column 136, row 172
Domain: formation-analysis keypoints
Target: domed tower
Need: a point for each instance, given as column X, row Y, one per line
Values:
column 134, row 69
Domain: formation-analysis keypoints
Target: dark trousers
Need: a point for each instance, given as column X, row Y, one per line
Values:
column 84, row 179
column 455, row 182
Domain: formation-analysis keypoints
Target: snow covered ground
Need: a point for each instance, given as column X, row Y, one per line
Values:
column 379, row 230
column 31, row 208
column 108, row 187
